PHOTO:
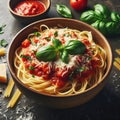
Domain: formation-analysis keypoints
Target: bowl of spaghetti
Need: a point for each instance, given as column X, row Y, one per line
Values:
column 59, row 64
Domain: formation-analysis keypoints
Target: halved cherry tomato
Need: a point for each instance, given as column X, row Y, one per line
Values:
column 86, row 42
column 36, row 40
column 78, row 4
column 26, row 43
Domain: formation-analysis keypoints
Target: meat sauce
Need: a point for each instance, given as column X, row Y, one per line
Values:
column 29, row 7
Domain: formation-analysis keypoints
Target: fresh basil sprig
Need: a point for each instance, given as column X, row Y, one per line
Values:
column 102, row 19
column 51, row 52
column 63, row 10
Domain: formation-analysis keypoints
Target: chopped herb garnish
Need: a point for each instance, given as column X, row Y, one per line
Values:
column 37, row 34
column 48, row 38
column 56, row 33
column 31, row 68
column 26, row 57
column 33, row 76
column 78, row 70
column 81, row 69
column 67, row 35
column 89, row 57
column 1, row 29
column 3, row 43
column 71, row 75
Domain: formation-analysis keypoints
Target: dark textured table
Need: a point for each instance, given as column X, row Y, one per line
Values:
column 105, row 106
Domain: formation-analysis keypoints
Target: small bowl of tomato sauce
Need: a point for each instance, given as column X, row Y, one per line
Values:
column 27, row 11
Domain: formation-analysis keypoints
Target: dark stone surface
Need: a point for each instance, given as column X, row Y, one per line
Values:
column 105, row 106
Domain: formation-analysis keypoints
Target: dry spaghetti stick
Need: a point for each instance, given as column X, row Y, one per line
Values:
column 117, row 51
column 117, row 65
column 9, row 88
column 117, row 60
column 14, row 99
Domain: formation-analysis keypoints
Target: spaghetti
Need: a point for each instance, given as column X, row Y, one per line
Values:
column 57, row 77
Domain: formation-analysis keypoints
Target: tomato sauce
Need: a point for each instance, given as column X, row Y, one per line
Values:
column 29, row 7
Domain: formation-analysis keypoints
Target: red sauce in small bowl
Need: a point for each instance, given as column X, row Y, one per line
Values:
column 29, row 7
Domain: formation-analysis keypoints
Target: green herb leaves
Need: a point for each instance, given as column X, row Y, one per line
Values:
column 26, row 57
column 102, row 19
column 64, row 10
column 115, row 17
column 46, row 53
column 51, row 52
column 1, row 29
column 75, row 47
column 3, row 43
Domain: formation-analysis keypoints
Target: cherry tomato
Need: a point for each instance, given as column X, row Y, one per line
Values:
column 26, row 43
column 78, row 4
column 36, row 41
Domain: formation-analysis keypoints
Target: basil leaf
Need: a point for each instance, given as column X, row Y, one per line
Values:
column 64, row 10
column 46, row 53
column 57, row 43
column 64, row 56
column 102, row 27
column 3, row 43
column 75, row 47
column 115, row 17
column 101, row 10
column 112, row 27
column 88, row 16
column 96, row 24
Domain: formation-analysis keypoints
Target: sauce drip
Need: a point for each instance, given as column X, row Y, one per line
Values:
column 29, row 7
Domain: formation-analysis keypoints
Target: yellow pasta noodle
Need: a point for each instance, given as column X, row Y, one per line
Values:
column 14, row 99
column 9, row 88
column 117, row 51
column 117, row 60
column 117, row 65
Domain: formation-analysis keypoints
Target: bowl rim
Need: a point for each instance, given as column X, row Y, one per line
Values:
column 29, row 16
column 67, row 19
